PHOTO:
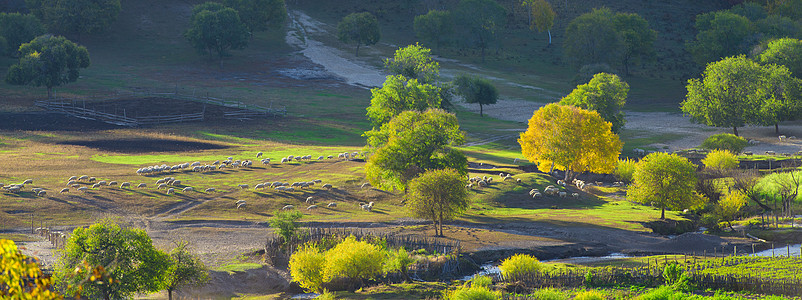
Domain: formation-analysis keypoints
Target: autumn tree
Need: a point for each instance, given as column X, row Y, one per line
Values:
column 48, row 61
column 438, row 195
column 21, row 276
column 605, row 94
column 729, row 207
column 260, row 15
column 414, row 62
column 667, row 181
column 360, row 28
column 133, row 264
column 216, row 28
column 412, row 143
column 75, row 16
column 434, row 28
column 399, row 94
column 541, row 16
column 18, row 29
column 476, row 90
column 786, row 52
column 184, row 269
column 480, row 20
column 572, row 138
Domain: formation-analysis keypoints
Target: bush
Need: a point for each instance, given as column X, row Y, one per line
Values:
column 721, row 160
column 725, row 141
column 355, row 260
column 473, row 293
column 589, row 295
column 624, row 170
column 519, row 265
column 306, row 268
column 483, row 281
column 549, row 294
column 285, row 223
column 399, row 261
column 662, row 293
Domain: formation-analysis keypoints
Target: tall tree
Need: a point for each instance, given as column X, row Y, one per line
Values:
column 48, row 61
column 667, row 181
column 476, row 90
column 412, row 143
column 730, row 207
column 786, row 52
column 787, row 8
column 133, row 264
column 435, row 27
column 638, row 38
column 17, row 29
column 541, row 16
column 361, row 28
column 438, row 195
column 414, row 62
column 572, row 138
column 216, row 28
column 605, row 94
column 184, row 269
column 75, row 16
column 721, row 34
column 260, row 15
column 398, row 94
column 592, row 38
column 480, row 20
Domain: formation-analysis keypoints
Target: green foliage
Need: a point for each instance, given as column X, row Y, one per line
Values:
column 519, row 266
column 412, row 143
column 483, row 281
column 775, row 27
column 476, row 90
column 666, row 181
column 75, row 16
column 133, row 264
column 21, row 277
column 474, row 293
column 549, row 294
column 586, row 72
column 48, row 61
column 414, row 62
column 625, row 169
column 589, row 295
column 216, row 28
column 786, row 52
column 399, row 94
column 750, row 10
column 326, row 295
column 260, row 15
column 17, row 29
column 592, row 38
column 361, row 28
column 672, row 273
column 729, row 207
column 435, row 27
column 479, row 21
column 725, row 141
column 787, row 8
column 720, row 160
column 285, row 223
column 353, row 260
column 638, row 38
column 662, row 293
column 605, row 94
column 721, row 34
column 438, row 195
column 306, row 268
column 399, row 261
column 184, row 269
column 589, row 278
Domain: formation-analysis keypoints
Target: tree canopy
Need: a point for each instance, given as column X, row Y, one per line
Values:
column 399, row 94
column 605, row 94
column 602, row 36
column 133, row 264
column 438, row 195
column 18, row 29
column 721, row 34
column 260, row 15
column 434, row 28
column 360, row 28
column 667, row 181
column 479, row 20
column 216, row 28
column 786, row 52
column 48, row 61
column 184, row 269
column 414, row 62
column 638, row 38
column 412, row 143
column 75, row 16
column 21, row 277
column 541, row 16
column 476, row 90
column 572, row 138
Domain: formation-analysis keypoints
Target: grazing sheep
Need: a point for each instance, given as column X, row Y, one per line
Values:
column 170, row 191
column 240, row 201
column 332, row 204
column 82, row 189
column 289, row 189
column 533, row 191
column 125, row 184
column 771, row 153
column 481, row 183
column 575, row 195
column 327, row 186
column 142, row 185
column 92, row 179
column 71, row 182
column 311, row 207
column 259, row 186
column 161, row 185
column 209, row 190
column 310, row 200
column 366, row 208
column 243, row 186
column 258, row 154
column 286, row 207
column 242, row 205
column 330, row 156
column 536, row 195
column 41, row 193
column 469, row 186
column 563, row 194
column 364, row 185
column 515, row 161
column 320, row 157
column 782, row 138
column 112, row 183
column 83, row 177
column 28, row 181
column 96, row 185
column 266, row 161
column 317, row 181
column 102, row 182
column 188, row 189
column 518, row 180
column 73, row 178
column 65, row 190
column 160, row 181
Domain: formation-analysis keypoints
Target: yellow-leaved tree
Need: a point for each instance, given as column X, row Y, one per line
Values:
column 21, row 277
column 570, row 138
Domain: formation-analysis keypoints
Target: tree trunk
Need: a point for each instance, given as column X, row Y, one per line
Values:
column 662, row 213
column 170, row 294
column 735, row 130
column 50, row 92
column 549, row 36
column 481, row 113
column 776, row 128
column 357, row 49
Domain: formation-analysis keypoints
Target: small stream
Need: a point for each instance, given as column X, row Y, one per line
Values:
column 785, row 251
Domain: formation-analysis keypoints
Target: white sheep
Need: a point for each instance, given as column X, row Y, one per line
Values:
column 518, row 180
column 65, row 190
column 73, row 178
column 563, row 194
column 241, row 205
column 28, row 181
column 364, row 185
column 575, row 195
column 311, row 207
column 96, row 185
column 330, row 157
column 170, row 191
column 83, row 177
column 259, row 186
column 141, row 185
column 332, row 204
column 188, row 189
column 160, row 181
column 320, row 157
column 258, row 154
column 102, row 182
column 243, row 186
column 112, row 183
column 92, row 179
column 310, row 200
column 161, row 185
column 41, row 193
column 209, row 190
column 71, row 182
column 327, row 186
column 82, row 189
column 125, row 184
column 515, row 161
column 536, row 195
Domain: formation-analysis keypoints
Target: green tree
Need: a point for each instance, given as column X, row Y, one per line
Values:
column 667, row 181
column 353, row 260
column 75, row 16
column 360, row 28
column 572, row 138
column 729, row 207
column 414, row 62
column 21, row 277
column 605, row 94
column 787, row 8
column 638, row 38
column 399, row 94
column 48, row 61
column 721, row 34
column 435, row 27
column 438, row 195
column 541, row 16
column 184, row 269
column 786, row 52
column 133, row 264
column 737, row 91
column 17, row 29
column 592, row 38
column 480, row 20
column 725, row 141
column 216, row 28
column 775, row 27
column 750, row 10
column 260, row 15
column 412, row 143
column 285, row 223
column 476, row 90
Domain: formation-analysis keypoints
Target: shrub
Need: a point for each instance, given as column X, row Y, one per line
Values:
column 662, row 293
column 725, row 141
column 721, row 160
column 549, row 294
column 399, row 261
column 589, row 295
column 624, row 170
column 326, row 295
column 306, row 268
column 473, row 293
column 519, row 265
column 483, row 281
column 355, row 260
column 285, row 223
